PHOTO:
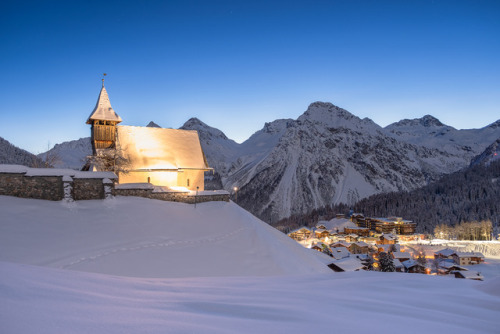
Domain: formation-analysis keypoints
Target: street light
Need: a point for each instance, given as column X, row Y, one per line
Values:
column 236, row 193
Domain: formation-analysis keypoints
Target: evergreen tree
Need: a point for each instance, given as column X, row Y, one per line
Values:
column 386, row 263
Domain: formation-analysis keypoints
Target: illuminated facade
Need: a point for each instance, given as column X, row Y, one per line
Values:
column 163, row 157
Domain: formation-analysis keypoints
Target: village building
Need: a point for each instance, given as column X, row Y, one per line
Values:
column 444, row 254
column 300, row 234
column 401, row 256
column 321, row 233
column 446, row 268
column 387, row 239
column 168, row 158
column 360, row 231
column 340, row 253
column 347, row 264
column 346, row 245
column 351, row 238
column 359, row 248
column 412, row 266
column 473, row 275
column 468, row 258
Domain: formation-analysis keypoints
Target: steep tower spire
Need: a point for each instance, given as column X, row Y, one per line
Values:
column 103, row 120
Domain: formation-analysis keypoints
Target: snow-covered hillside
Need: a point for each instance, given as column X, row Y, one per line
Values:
column 139, row 237
column 70, row 154
column 213, row 268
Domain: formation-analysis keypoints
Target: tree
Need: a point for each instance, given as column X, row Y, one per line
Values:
column 110, row 160
column 386, row 263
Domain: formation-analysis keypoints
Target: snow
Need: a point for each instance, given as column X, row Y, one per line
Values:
column 144, row 266
column 55, row 172
column 125, row 186
column 139, row 237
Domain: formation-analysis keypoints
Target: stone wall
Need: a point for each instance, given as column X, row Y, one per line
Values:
column 43, row 187
column 11, row 184
column 84, row 189
column 40, row 187
column 48, row 183
column 56, row 185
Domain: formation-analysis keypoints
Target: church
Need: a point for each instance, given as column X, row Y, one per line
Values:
column 162, row 157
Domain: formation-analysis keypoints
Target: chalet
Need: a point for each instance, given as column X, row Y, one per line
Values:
column 446, row 268
column 468, row 258
column 351, row 238
column 319, row 246
column 340, row 253
column 163, row 157
column 388, row 248
column 398, row 265
column 474, row 275
column 359, row 248
column 346, row 245
column 321, row 233
column 347, row 264
column 412, row 266
column 387, row 239
column 300, row 234
column 446, row 253
column 401, row 256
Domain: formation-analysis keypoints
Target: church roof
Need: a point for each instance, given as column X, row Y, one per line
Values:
column 103, row 110
column 148, row 148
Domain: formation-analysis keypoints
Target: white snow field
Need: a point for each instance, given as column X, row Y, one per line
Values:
column 145, row 266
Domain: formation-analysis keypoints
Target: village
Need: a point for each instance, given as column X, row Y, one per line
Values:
column 382, row 244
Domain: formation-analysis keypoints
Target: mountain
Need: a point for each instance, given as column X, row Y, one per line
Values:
column 10, row 154
column 69, row 154
column 490, row 154
column 429, row 132
column 327, row 156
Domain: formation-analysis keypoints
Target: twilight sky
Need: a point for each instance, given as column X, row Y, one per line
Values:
column 238, row 64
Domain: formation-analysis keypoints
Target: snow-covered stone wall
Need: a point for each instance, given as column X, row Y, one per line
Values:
column 50, row 184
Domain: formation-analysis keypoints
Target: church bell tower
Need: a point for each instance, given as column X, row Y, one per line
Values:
column 103, row 121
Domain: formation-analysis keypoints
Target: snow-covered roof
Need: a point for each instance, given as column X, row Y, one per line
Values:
column 300, row 229
column 411, row 263
column 469, row 274
column 103, row 110
column 401, row 255
column 336, row 223
column 340, row 253
column 160, row 149
column 397, row 263
column 446, row 252
column 469, row 254
column 361, row 244
column 349, row 264
column 55, row 172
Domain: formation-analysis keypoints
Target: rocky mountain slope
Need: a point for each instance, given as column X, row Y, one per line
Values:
column 10, row 154
column 491, row 154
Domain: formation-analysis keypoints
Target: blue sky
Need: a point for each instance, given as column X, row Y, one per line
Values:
column 238, row 64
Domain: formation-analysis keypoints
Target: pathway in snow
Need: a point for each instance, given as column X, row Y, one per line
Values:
column 169, row 243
